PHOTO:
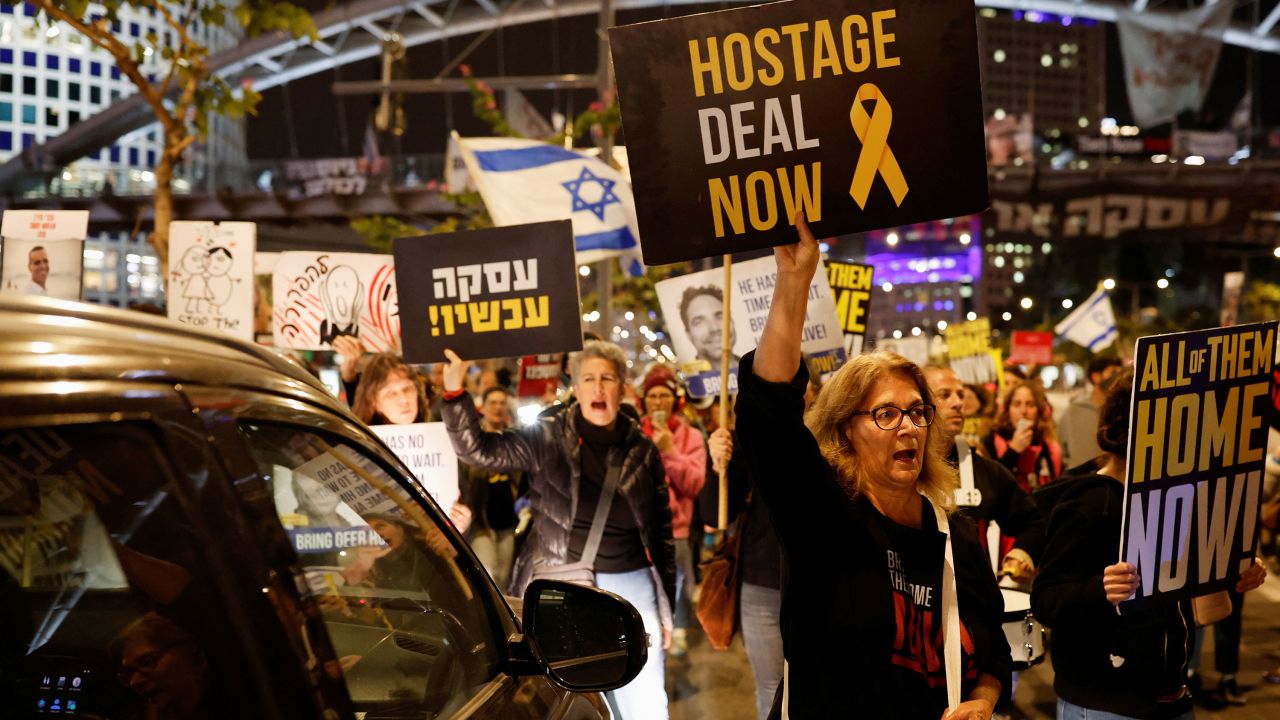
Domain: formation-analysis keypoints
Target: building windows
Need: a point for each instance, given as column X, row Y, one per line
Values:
column 29, row 114
column 73, row 91
column 29, row 59
column 6, row 83
column 52, row 88
column 73, row 117
column 6, row 56
column 115, row 153
column 95, row 68
column 52, row 61
column 95, row 95
column 6, row 141
column 51, row 119
column 133, row 156
column 29, row 86
column 28, row 139
column 6, row 112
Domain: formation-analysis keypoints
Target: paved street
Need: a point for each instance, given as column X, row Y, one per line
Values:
column 712, row 685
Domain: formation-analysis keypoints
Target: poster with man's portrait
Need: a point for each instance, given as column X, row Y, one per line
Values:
column 693, row 306
column 1009, row 140
column 43, row 252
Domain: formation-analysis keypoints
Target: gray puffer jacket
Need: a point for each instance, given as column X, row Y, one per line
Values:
column 548, row 452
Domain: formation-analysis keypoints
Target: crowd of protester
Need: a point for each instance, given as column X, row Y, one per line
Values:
column 886, row 514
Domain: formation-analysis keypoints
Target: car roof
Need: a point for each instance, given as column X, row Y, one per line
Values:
column 49, row 339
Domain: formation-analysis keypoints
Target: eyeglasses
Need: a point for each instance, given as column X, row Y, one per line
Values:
column 146, row 663
column 888, row 417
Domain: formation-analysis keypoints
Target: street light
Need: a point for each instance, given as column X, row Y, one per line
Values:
column 1026, row 303
column 1109, row 284
column 891, row 239
column 1162, row 283
column 887, row 286
column 1007, row 316
column 1067, row 304
column 1276, row 252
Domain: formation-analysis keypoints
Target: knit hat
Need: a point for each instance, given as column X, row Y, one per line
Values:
column 660, row 375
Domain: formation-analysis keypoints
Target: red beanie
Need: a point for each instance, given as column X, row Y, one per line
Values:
column 660, row 375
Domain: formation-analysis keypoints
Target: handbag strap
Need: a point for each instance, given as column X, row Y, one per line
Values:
column 592, row 547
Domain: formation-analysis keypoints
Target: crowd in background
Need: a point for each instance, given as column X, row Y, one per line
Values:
column 526, row 499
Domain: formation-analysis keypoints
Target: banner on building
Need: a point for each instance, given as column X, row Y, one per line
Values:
column 43, row 252
column 970, row 355
column 851, row 286
column 492, row 293
column 693, row 306
column 425, row 448
column 1169, row 58
column 1031, row 347
column 1197, row 446
column 539, row 374
column 328, row 176
column 751, row 115
column 318, row 296
column 211, row 276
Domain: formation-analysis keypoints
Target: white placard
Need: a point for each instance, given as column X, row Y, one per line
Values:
column 211, row 275
column 693, row 308
column 317, row 296
column 43, row 252
column 426, row 449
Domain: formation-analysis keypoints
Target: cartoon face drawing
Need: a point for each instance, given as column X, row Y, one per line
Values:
column 219, row 259
column 193, row 261
column 340, row 293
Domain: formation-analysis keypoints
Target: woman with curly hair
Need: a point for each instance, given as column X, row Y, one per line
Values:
column 1024, row 439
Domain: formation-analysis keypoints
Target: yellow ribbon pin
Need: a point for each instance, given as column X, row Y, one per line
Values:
column 876, row 156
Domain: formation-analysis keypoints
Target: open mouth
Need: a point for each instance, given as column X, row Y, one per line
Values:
column 905, row 456
column 599, row 405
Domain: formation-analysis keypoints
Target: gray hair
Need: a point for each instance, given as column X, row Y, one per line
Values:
column 602, row 350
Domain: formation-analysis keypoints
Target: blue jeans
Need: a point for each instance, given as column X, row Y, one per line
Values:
column 762, row 635
column 645, row 697
column 1067, row 711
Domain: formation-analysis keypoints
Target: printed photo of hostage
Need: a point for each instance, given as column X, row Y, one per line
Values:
column 50, row 268
column 702, row 313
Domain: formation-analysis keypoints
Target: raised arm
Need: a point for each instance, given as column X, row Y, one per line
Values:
column 501, row 452
column 778, row 354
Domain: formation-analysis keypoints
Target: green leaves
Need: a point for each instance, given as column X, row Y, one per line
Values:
column 260, row 16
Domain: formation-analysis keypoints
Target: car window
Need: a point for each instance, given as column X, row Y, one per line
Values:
column 410, row 631
column 106, row 606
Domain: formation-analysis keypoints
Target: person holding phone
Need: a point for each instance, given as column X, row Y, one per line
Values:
column 1025, row 439
column 684, row 457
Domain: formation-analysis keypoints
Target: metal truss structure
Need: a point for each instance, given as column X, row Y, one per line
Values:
column 356, row 31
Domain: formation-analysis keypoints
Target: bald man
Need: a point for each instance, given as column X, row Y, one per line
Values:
column 995, row 495
column 38, row 266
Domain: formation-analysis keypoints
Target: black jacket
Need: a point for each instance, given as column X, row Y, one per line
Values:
column 1006, row 504
column 548, row 452
column 854, row 631
column 761, row 555
column 1067, row 596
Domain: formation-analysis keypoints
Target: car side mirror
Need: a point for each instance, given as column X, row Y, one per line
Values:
column 586, row 638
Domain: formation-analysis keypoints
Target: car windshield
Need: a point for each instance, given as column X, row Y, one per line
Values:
column 410, row 633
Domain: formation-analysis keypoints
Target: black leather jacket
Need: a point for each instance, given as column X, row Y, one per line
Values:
column 548, row 453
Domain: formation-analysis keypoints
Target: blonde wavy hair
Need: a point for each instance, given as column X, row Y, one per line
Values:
column 848, row 392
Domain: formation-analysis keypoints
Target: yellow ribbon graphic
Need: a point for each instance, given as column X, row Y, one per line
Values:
column 876, row 156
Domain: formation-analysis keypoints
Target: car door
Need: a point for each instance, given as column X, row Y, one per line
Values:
column 116, row 589
column 416, row 626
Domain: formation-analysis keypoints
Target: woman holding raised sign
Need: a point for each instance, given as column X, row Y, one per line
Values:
column 889, row 605
column 1121, row 663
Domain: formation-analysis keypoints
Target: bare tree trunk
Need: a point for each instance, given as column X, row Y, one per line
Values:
column 163, row 211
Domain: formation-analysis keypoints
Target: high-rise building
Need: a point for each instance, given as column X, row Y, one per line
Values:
column 1053, row 67
column 51, row 78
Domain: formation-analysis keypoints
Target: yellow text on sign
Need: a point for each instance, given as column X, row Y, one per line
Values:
column 796, row 52
column 755, row 200
column 491, row 315
column 1196, row 431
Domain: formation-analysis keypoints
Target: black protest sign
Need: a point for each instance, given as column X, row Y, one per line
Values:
column 863, row 114
column 851, row 285
column 497, row 292
column 1197, row 445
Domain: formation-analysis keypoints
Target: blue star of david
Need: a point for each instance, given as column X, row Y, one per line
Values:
column 607, row 197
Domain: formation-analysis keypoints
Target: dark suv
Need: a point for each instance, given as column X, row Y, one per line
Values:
column 193, row 527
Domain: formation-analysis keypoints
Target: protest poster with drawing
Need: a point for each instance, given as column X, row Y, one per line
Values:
column 43, row 252
column 693, row 306
column 318, row 296
column 1197, row 447
column 851, row 285
column 492, row 293
column 425, row 448
column 863, row 116
column 211, row 268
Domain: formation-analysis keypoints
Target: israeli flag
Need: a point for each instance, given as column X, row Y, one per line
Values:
column 1092, row 325
column 526, row 181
